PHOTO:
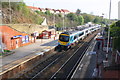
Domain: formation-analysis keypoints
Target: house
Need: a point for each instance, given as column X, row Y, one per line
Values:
column 13, row 39
column 42, row 10
column 54, row 11
column 65, row 11
column 62, row 12
column 51, row 10
column 33, row 8
column 58, row 11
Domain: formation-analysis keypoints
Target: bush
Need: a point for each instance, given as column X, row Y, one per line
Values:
column 7, row 51
column 48, row 13
column 5, row 4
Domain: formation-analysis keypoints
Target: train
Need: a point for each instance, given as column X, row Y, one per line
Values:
column 69, row 39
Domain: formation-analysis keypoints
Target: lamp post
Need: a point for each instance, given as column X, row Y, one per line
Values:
column 54, row 19
column 54, row 24
column 63, row 21
column 1, row 44
column 10, row 10
column 108, row 33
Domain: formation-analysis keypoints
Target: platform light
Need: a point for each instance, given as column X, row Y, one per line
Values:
column 108, row 41
column 119, row 10
column 12, row 0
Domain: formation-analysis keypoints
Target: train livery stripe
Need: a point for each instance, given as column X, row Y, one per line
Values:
column 62, row 43
column 64, row 34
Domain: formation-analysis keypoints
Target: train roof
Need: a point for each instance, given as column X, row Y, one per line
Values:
column 75, row 31
column 69, row 32
column 78, row 30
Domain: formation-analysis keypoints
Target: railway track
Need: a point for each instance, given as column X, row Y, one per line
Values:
column 60, row 65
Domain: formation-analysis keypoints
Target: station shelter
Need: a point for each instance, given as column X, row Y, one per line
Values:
column 45, row 34
column 12, row 39
column 100, row 39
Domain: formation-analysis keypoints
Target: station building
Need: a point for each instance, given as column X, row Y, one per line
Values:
column 12, row 39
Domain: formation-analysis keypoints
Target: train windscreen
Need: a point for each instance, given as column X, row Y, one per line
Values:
column 64, row 38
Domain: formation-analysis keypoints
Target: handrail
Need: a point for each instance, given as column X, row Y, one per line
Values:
column 118, row 52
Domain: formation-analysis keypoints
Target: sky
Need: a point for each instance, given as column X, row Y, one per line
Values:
column 95, row 7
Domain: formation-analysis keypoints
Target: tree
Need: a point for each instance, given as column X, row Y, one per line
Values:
column 115, row 29
column 88, row 17
column 118, row 24
column 78, row 11
column 114, row 32
column 80, row 20
column 72, row 17
column 97, row 20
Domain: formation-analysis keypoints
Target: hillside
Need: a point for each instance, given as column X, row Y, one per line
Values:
column 19, row 13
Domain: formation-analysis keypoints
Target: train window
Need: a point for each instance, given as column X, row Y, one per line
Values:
column 86, row 31
column 71, row 38
column 75, row 37
column 81, row 34
column 64, row 38
column 92, row 29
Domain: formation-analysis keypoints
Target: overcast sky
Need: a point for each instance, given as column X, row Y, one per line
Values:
column 97, row 7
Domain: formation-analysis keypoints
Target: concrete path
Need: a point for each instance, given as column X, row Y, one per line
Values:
column 29, row 50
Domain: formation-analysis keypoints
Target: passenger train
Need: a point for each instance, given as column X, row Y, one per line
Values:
column 69, row 38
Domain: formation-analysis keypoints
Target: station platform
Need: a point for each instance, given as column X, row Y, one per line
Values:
column 25, row 53
column 92, row 63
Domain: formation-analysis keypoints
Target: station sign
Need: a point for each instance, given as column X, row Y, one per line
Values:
column 17, row 36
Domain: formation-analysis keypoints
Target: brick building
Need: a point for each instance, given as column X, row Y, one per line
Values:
column 112, row 72
column 13, row 39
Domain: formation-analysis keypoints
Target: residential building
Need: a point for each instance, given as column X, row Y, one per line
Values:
column 33, row 8
column 42, row 10
column 62, row 12
column 58, row 11
column 65, row 11
column 51, row 10
column 54, row 11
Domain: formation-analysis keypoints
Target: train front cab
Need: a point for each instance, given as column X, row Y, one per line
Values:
column 63, row 42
